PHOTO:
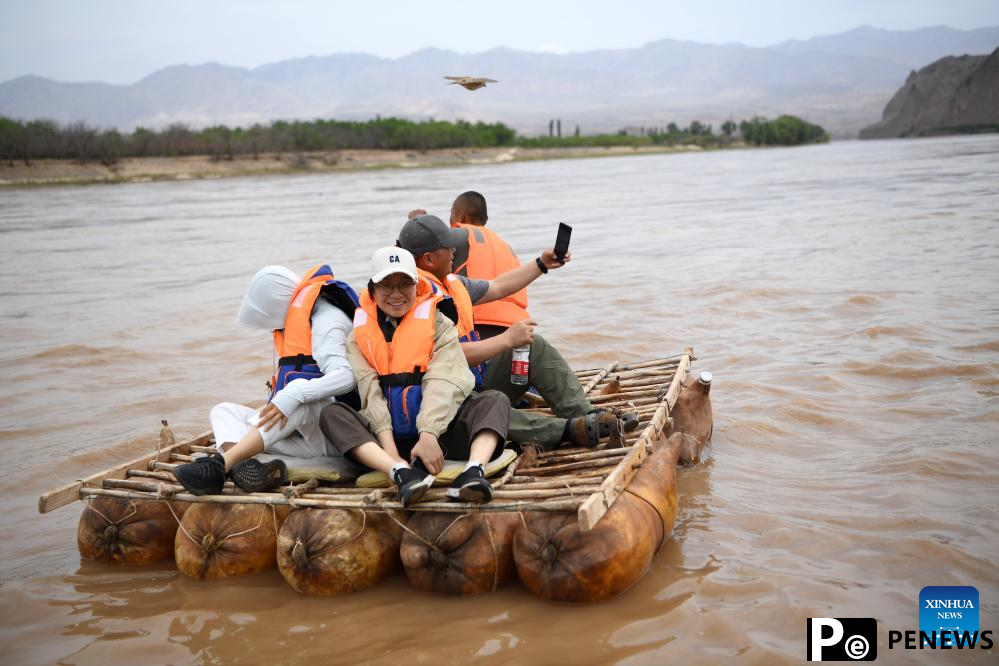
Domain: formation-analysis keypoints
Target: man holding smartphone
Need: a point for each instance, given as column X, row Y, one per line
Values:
column 481, row 254
column 434, row 245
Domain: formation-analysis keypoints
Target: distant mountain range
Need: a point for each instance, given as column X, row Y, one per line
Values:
column 956, row 93
column 839, row 81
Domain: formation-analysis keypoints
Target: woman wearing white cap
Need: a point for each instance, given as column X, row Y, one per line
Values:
column 417, row 403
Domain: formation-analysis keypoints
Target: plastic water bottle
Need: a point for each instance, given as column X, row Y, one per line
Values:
column 520, row 366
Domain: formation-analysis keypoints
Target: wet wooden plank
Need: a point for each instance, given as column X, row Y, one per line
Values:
column 599, row 376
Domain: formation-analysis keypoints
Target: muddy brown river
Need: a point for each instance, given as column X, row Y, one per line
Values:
column 846, row 298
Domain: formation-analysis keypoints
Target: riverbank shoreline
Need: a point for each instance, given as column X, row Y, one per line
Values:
column 205, row 167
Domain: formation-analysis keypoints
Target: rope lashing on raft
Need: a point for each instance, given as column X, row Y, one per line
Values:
column 165, row 491
column 111, row 531
column 423, row 540
column 492, row 544
column 296, row 492
column 403, row 526
column 437, row 549
column 662, row 523
column 209, row 543
column 440, row 536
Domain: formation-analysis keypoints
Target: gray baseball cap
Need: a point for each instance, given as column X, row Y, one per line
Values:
column 427, row 233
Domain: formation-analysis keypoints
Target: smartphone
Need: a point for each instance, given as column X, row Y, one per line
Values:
column 562, row 241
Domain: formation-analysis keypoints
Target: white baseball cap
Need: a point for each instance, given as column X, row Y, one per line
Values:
column 388, row 260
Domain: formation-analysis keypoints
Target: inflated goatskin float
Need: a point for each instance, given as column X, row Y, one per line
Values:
column 576, row 525
column 125, row 531
column 558, row 561
column 332, row 551
column 693, row 417
column 465, row 554
column 227, row 540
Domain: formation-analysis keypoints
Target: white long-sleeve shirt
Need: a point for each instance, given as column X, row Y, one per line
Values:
column 330, row 328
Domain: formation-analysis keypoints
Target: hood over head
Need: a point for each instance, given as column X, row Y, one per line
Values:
column 266, row 302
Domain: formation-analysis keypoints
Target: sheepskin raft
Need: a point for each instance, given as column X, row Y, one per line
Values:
column 575, row 525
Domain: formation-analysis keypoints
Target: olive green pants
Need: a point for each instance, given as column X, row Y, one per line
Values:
column 554, row 380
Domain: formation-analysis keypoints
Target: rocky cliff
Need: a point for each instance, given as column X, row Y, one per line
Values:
column 954, row 94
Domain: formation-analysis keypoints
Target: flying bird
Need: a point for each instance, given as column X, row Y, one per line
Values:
column 470, row 82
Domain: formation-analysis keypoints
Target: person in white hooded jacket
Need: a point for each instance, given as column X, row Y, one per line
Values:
column 288, row 425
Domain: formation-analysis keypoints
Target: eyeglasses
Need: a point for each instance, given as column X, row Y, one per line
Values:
column 386, row 289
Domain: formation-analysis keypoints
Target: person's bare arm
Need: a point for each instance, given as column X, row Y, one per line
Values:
column 516, row 279
column 518, row 335
column 428, row 449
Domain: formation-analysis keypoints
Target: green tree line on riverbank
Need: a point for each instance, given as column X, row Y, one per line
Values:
column 43, row 139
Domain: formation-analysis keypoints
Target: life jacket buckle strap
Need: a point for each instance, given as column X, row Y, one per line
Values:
column 299, row 360
column 401, row 379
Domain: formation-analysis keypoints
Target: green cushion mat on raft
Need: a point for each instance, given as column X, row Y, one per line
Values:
column 324, row 468
column 452, row 468
column 303, row 474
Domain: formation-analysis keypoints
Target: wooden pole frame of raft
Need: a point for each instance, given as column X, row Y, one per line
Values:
column 573, row 480
column 71, row 492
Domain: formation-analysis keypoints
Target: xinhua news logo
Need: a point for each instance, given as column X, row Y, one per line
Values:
column 952, row 609
column 948, row 620
column 842, row 639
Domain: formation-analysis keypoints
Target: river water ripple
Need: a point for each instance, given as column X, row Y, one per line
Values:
column 845, row 296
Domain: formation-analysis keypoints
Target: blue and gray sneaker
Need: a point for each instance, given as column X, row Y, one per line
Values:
column 471, row 486
column 412, row 484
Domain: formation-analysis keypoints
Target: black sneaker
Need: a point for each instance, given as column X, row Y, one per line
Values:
column 253, row 476
column 471, row 486
column 204, row 476
column 412, row 483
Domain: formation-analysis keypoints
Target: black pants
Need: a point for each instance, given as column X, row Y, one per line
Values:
column 346, row 429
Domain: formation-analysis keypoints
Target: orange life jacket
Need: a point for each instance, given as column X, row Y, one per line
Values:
column 293, row 343
column 488, row 258
column 466, row 322
column 401, row 363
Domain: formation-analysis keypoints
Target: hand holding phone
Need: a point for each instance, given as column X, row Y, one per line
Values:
column 562, row 241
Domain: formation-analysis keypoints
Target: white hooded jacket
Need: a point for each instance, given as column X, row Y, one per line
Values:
column 265, row 306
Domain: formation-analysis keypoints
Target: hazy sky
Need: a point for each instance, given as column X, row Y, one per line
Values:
column 125, row 40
